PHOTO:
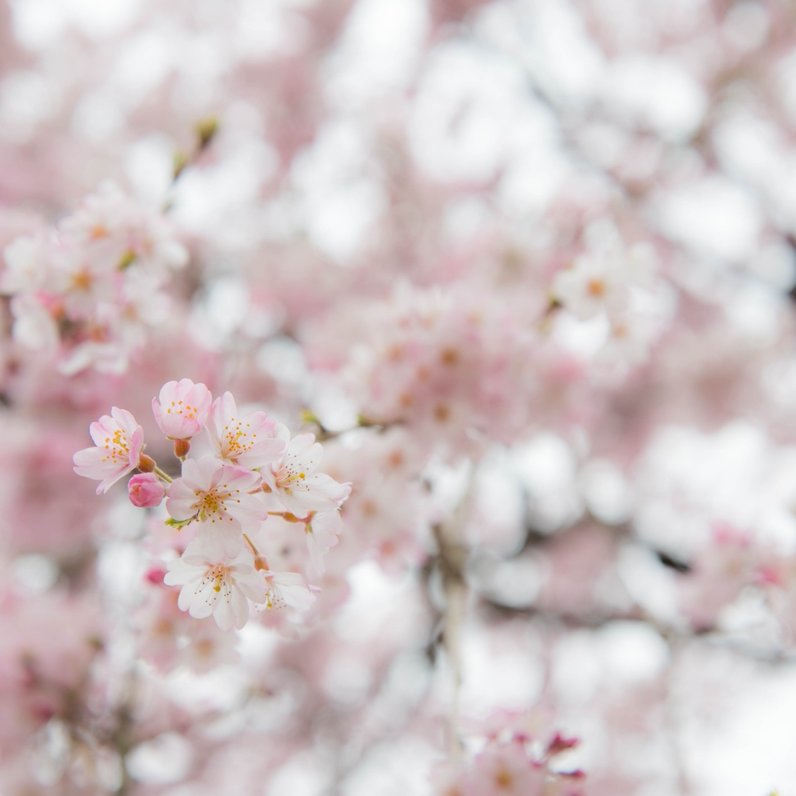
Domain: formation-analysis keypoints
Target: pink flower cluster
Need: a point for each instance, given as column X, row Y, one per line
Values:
column 511, row 763
column 86, row 290
column 250, row 470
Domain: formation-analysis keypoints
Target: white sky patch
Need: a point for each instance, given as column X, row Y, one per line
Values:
column 378, row 52
column 26, row 100
column 654, row 92
column 472, row 114
column 557, row 48
column 687, row 480
column 548, row 468
column 714, row 217
column 39, row 22
column 164, row 759
column 340, row 196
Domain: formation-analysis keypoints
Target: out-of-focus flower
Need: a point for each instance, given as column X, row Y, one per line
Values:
column 287, row 589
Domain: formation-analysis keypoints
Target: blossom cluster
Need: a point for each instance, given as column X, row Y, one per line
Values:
column 511, row 762
column 86, row 290
column 251, row 470
column 526, row 273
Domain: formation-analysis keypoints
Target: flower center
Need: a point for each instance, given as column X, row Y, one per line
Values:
column 596, row 288
column 217, row 573
column 182, row 408
column 117, row 446
column 237, row 438
column 212, row 505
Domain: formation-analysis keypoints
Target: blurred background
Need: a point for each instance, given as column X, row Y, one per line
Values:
column 526, row 267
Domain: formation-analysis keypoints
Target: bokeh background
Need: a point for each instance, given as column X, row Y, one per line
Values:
column 572, row 509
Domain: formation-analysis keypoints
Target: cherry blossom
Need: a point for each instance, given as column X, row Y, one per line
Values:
column 181, row 409
column 496, row 304
column 601, row 280
column 297, row 484
column 217, row 497
column 118, row 444
column 286, row 589
column 215, row 587
column 254, row 440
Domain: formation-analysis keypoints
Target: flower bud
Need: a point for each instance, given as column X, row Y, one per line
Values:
column 145, row 490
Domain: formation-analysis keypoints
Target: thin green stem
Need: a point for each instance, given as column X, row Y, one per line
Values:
column 163, row 476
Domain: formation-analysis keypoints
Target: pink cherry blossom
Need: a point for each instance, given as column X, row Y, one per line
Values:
column 216, row 496
column 506, row 770
column 254, row 440
column 213, row 586
column 145, row 490
column 118, row 444
column 602, row 279
column 181, row 409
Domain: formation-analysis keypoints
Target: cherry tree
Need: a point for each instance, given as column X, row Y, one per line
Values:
column 397, row 397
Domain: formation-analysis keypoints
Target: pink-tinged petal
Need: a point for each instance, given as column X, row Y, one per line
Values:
column 221, row 542
column 180, row 500
column 263, row 453
column 287, row 589
column 318, row 492
column 223, row 613
column 221, row 411
column 181, row 572
column 238, row 608
column 250, row 511
column 199, row 473
column 184, row 598
column 88, row 459
column 250, row 582
column 203, row 599
column 304, row 454
column 322, row 535
column 136, row 446
column 238, row 478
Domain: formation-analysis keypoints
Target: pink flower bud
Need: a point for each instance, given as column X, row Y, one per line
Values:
column 145, row 490
column 155, row 575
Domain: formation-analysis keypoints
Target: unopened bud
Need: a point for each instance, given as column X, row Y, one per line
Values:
column 145, row 491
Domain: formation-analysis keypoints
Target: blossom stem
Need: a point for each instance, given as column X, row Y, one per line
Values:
column 163, row 475
column 250, row 545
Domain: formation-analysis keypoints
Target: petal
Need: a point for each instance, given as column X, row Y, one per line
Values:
column 180, row 500
column 239, row 606
column 203, row 598
column 252, row 584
